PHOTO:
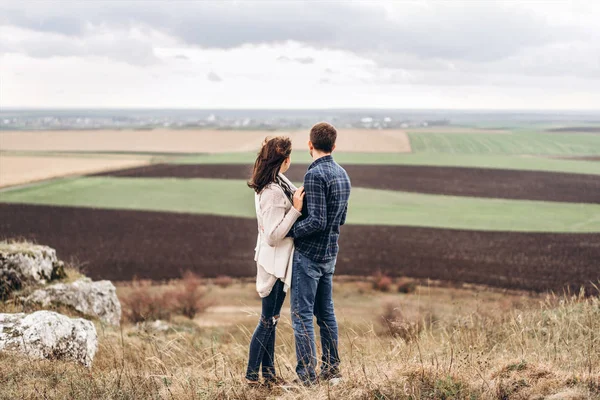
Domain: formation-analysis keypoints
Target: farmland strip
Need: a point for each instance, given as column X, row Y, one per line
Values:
column 119, row 245
column 453, row 181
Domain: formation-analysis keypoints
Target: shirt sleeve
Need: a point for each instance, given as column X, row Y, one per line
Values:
column 316, row 202
column 277, row 220
column 343, row 220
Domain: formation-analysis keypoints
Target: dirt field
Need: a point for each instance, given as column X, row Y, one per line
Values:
column 119, row 245
column 21, row 170
column 583, row 129
column 191, row 141
column 476, row 182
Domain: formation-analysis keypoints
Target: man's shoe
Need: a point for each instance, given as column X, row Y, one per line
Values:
column 330, row 375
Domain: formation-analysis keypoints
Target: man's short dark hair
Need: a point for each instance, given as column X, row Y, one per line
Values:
column 323, row 136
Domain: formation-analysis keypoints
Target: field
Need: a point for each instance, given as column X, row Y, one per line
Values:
column 502, row 207
column 451, row 343
column 188, row 141
column 20, row 170
column 488, row 239
column 120, row 245
column 456, row 181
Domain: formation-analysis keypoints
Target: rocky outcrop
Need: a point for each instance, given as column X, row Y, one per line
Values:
column 49, row 335
column 29, row 261
column 94, row 299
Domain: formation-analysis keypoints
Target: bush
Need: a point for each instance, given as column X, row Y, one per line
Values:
column 399, row 325
column 145, row 303
column 9, row 282
column 223, row 281
column 189, row 297
column 382, row 282
column 407, row 286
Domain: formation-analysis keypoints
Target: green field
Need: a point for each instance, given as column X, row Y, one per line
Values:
column 532, row 143
column 368, row 206
column 514, row 162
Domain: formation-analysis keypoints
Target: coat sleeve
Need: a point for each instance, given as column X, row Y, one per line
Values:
column 277, row 220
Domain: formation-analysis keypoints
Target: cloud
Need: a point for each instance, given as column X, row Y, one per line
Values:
column 476, row 31
column 213, row 77
column 377, row 44
column 299, row 60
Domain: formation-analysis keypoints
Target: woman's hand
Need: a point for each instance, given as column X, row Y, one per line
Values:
column 299, row 198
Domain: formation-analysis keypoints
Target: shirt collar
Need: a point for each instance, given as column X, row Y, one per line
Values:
column 324, row 159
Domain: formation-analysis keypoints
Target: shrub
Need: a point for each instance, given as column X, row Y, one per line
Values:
column 407, row 286
column 399, row 325
column 382, row 282
column 9, row 282
column 145, row 303
column 223, row 281
column 189, row 296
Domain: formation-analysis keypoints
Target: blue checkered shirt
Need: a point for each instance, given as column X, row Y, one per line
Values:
column 327, row 187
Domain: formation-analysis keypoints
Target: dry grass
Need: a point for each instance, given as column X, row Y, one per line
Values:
column 484, row 345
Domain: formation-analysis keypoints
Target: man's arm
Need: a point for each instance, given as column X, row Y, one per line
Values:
column 343, row 220
column 316, row 202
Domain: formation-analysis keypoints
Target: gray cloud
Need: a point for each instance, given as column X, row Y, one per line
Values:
column 481, row 31
column 213, row 77
column 444, row 38
column 300, row 60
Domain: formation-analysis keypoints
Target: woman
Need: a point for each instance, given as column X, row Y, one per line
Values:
column 278, row 205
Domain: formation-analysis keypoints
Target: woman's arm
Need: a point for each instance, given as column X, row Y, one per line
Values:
column 277, row 222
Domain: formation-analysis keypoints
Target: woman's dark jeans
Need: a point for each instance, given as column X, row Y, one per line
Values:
column 262, row 346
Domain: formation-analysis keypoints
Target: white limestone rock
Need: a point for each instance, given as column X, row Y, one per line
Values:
column 49, row 335
column 95, row 299
column 30, row 261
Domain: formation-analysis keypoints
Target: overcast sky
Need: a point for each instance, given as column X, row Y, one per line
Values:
column 311, row 54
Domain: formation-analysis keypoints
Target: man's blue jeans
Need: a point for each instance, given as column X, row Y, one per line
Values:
column 312, row 294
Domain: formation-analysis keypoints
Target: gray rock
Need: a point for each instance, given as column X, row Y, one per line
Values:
column 49, row 335
column 31, row 262
column 94, row 299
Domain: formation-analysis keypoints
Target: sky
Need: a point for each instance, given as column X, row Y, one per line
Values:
column 300, row 54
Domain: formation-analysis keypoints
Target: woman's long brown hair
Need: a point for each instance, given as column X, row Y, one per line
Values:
column 271, row 156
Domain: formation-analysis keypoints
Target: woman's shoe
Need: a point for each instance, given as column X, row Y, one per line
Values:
column 253, row 384
column 275, row 381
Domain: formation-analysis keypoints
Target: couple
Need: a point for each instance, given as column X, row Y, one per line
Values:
column 297, row 249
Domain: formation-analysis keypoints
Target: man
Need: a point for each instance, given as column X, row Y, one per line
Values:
column 327, row 187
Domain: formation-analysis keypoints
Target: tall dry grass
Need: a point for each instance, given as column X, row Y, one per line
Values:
column 529, row 352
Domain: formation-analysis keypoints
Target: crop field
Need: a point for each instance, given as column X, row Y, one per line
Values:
column 503, row 207
column 122, row 244
column 521, row 143
column 457, row 181
column 20, row 170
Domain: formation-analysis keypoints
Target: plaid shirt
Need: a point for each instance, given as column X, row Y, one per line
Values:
column 327, row 187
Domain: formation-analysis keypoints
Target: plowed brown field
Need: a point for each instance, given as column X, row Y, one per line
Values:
column 455, row 181
column 119, row 245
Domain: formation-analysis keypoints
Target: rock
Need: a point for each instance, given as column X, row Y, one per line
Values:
column 94, row 299
column 31, row 261
column 49, row 335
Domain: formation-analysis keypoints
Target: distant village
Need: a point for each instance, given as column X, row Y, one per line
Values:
column 37, row 120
